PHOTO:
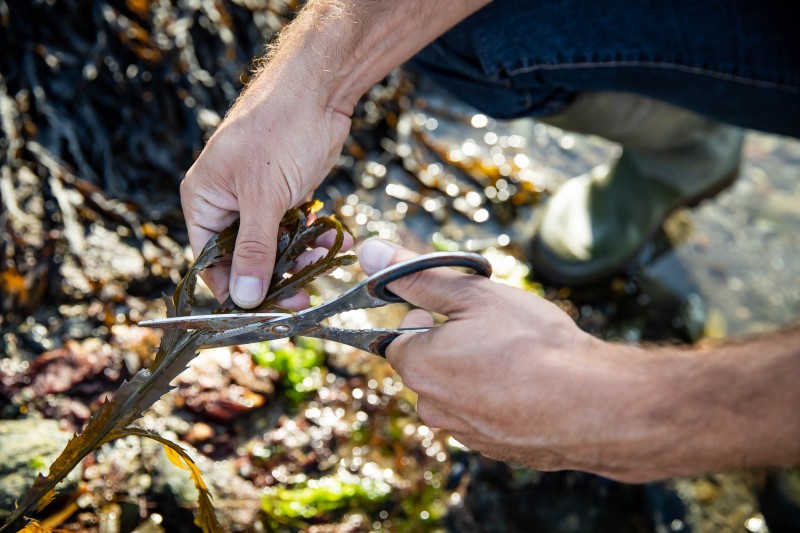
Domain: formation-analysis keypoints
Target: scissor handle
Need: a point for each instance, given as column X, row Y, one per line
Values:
column 377, row 284
column 374, row 341
column 370, row 293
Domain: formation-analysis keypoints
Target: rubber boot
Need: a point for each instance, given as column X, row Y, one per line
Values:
column 595, row 224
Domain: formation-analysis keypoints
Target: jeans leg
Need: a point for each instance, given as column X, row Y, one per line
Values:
column 735, row 61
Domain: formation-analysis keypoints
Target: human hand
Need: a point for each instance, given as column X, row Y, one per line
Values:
column 275, row 146
column 284, row 134
column 511, row 376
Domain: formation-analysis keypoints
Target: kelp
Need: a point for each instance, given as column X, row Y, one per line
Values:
column 179, row 346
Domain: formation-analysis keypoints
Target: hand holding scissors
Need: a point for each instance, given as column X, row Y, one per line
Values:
column 245, row 328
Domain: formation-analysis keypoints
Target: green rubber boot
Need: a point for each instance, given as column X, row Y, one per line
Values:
column 595, row 224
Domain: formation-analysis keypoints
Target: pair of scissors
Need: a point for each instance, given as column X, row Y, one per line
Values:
column 245, row 328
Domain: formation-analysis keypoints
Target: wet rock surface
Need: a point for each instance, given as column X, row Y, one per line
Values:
column 26, row 448
column 740, row 252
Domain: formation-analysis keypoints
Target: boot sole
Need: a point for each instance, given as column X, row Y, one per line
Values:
column 543, row 272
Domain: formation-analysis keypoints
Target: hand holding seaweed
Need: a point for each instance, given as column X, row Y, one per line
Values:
column 179, row 346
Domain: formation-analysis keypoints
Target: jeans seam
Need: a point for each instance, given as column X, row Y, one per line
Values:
column 654, row 64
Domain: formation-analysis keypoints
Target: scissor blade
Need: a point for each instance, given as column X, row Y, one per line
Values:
column 220, row 322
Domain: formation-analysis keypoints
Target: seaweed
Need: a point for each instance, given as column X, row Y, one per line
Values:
column 179, row 346
column 298, row 365
column 294, row 506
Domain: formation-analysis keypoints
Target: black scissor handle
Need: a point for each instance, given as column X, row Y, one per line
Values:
column 377, row 284
column 374, row 341
column 380, row 348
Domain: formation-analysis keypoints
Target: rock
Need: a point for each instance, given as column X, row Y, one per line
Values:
column 222, row 405
column 207, row 388
column 28, row 447
column 76, row 363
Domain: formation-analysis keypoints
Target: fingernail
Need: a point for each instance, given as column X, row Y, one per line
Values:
column 247, row 291
column 375, row 254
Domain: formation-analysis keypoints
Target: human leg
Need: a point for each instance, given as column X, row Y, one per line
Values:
column 581, row 67
column 596, row 223
column 736, row 62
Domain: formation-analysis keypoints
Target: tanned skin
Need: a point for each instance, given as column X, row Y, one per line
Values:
column 510, row 374
column 286, row 130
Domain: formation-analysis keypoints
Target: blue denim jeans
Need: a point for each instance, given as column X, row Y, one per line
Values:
column 737, row 61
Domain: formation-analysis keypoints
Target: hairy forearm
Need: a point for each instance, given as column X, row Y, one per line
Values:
column 731, row 405
column 339, row 48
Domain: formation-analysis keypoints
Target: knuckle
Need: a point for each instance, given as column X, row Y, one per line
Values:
column 264, row 194
column 416, row 285
column 252, row 250
column 288, row 180
column 473, row 289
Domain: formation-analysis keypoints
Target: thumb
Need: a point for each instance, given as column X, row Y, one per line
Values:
column 441, row 290
column 256, row 245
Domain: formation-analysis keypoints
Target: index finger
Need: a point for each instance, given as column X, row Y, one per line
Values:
column 441, row 290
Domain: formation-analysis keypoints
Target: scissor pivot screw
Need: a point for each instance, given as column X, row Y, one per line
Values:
column 281, row 329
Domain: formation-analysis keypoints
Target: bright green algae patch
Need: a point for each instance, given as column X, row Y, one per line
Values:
column 317, row 497
column 298, row 363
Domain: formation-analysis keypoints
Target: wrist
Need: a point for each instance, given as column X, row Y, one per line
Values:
column 317, row 55
column 340, row 49
column 712, row 408
column 655, row 424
